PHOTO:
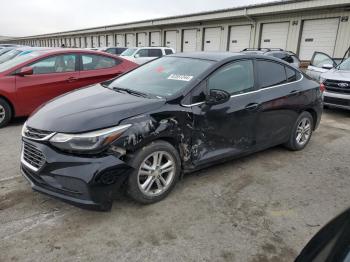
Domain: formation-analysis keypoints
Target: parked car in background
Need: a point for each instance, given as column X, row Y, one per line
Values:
column 179, row 113
column 334, row 74
column 141, row 55
column 19, row 52
column 287, row 56
column 113, row 50
column 30, row 80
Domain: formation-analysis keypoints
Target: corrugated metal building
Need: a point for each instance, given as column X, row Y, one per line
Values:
column 298, row 26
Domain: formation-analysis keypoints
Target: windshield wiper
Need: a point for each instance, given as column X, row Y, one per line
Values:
column 130, row 91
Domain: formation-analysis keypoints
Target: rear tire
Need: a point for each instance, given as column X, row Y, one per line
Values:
column 5, row 112
column 157, row 168
column 301, row 132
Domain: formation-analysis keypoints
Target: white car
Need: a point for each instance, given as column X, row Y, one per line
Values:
column 141, row 55
column 334, row 74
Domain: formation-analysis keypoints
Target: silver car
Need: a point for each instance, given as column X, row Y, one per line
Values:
column 334, row 75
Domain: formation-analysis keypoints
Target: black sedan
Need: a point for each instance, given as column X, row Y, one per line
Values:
column 174, row 115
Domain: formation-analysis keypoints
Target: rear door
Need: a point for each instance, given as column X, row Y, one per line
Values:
column 279, row 97
column 98, row 68
column 52, row 76
column 319, row 60
column 227, row 129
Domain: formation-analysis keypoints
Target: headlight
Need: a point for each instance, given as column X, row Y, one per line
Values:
column 91, row 141
column 322, row 79
column 24, row 129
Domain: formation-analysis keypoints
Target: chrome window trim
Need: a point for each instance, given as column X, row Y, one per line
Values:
column 251, row 92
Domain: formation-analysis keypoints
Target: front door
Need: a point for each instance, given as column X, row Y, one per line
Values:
column 51, row 77
column 226, row 129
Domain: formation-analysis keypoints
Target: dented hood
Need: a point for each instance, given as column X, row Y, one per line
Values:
column 90, row 108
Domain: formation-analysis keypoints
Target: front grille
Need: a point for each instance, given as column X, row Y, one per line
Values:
column 32, row 156
column 333, row 86
column 36, row 133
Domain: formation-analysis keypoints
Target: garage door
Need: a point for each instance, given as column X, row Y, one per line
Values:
column 189, row 40
column 318, row 35
column 109, row 40
column 102, row 40
column 274, row 35
column 141, row 39
column 239, row 38
column 212, row 39
column 95, row 41
column 130, row 40
column 120, row 40
column 171, row 39
column 77, row 41
column 155, row 39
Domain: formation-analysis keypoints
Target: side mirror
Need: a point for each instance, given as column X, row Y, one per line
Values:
column 137, row 55
column 26, row 71
column 327, row 66
column 217, row 96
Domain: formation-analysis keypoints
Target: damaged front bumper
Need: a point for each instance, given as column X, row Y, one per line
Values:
column 90, row 182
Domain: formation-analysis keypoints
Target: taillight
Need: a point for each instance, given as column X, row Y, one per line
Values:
column 322, row 87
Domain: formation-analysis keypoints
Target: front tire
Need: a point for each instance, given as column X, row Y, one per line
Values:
column 157, row 168
column 301, row 133
column 5, row 113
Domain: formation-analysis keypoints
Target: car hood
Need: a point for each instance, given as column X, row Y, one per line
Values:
column 334, row 74
column 90, row 108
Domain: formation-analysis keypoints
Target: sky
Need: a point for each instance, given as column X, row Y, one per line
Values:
column 32, row 17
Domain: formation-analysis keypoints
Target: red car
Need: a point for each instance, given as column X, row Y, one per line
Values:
column 28, row 81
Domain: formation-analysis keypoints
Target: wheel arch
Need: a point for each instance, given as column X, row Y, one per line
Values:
column 13, row 112
column 314, row 116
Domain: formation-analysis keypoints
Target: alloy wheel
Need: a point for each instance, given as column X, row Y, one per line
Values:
column 303, row 132
column 2, row 113
column 156, row 173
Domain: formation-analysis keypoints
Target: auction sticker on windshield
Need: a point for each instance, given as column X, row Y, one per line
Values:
column 180, row 77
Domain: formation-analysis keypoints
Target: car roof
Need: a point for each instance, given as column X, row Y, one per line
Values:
column 69, row 50
column 214, row 56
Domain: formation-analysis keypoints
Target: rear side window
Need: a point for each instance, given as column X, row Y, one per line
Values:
column 155, row 53
column 55, row 64
column 234, row 78
column 291, row 75
column 93, row 62
column 169, row 52
column 270, row 73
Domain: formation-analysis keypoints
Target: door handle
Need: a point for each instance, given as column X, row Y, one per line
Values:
column 252, row 106
column 71, row 79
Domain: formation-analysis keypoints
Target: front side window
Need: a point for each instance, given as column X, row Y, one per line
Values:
column 235, row 78
column 270, row 73
column 345, row 65
column 163, row 77
column 142, row 53
column 55, row 64
column 128, row 52
column 320, row 59
column 94, row 62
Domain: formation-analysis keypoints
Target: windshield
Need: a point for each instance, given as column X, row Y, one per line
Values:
column 345, row 65
column 9, row 55
column 128, row 52
column 163, row 77
column 17, row 60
